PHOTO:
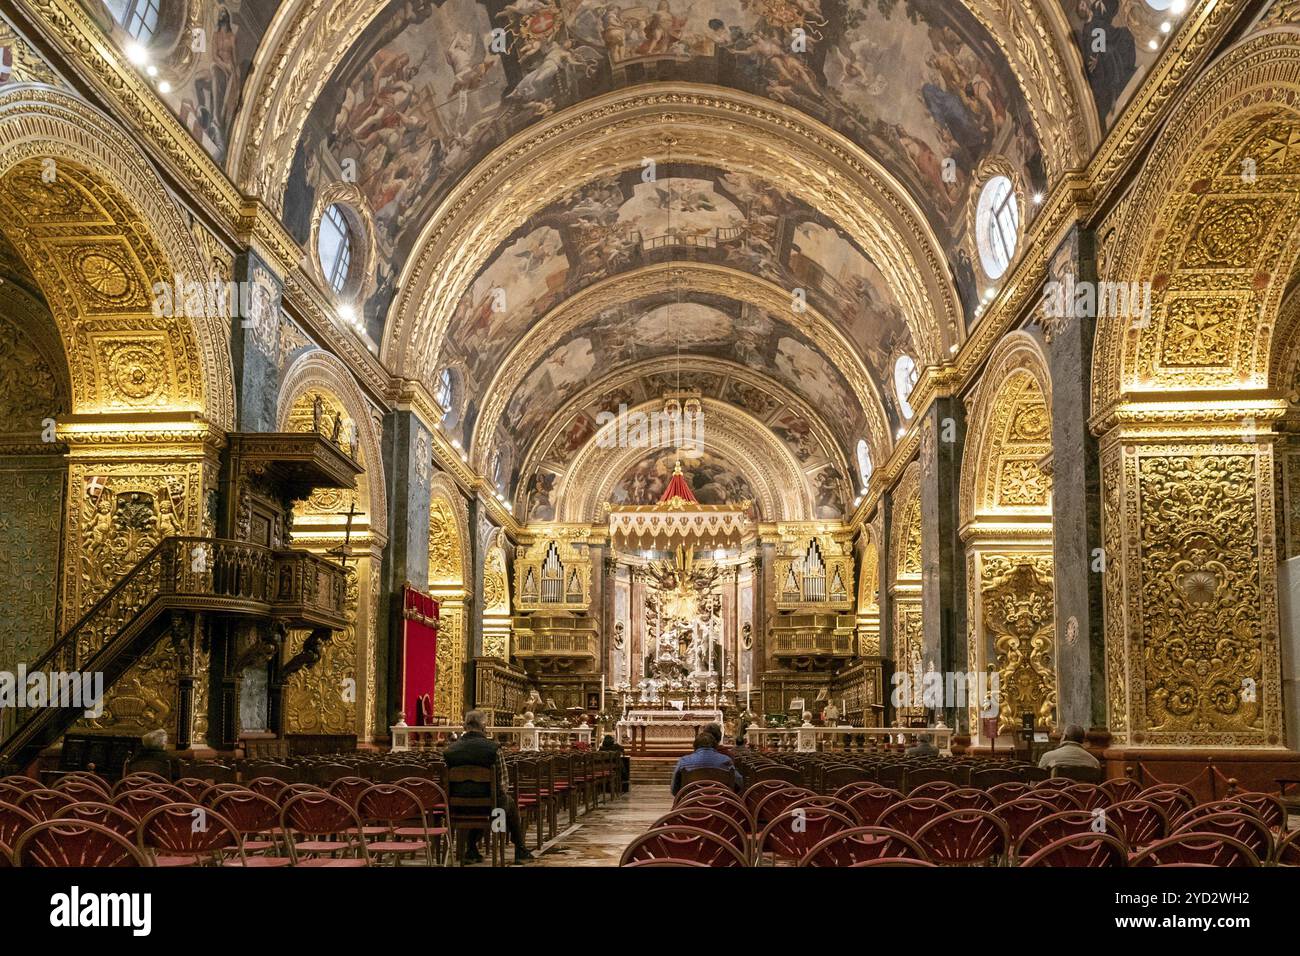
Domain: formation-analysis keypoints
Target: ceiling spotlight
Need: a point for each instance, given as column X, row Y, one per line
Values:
column 464, row 457
column 510, row 507
column 1166, row 27
column 455, row 443
column 902, row 432
column 164, row 87
column 1177, row 7
column 1038, row 199
column 151, row 70
column 953, row 348
column 857, row 501
column 136, row 53
column 1153, row 43
column 348, row 314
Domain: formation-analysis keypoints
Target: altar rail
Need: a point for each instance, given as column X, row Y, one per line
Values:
column 522, row 738
column 841, row 739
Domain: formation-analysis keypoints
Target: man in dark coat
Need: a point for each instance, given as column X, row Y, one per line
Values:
column 475, row 749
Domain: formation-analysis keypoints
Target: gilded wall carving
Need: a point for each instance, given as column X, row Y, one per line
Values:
column 322, row 698
column 1017, row 613
column 1203, row 647
column 1112, row 529
column 449, row 689
column 31, row 518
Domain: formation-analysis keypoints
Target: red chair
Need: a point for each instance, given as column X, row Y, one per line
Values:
column 1266, row 806
column 398, row 815
column 790, row 834
column 107, row 815
column 911, row 814
column 690, row 844
column 1057, row 797
column 257, row 821
column 756, row 792
column 316, row 815
column 1006, row 792
column 1190, row 848
column 1206, row 809
column 1173, row 799
column 1055, row 826
column 893, row 861
column 1089, row 795
column 771, row 805
column 1288, row 850
column 1121, row 789
column 269, row 787
column 1081, row 850
column 60, row 843
column 84, row 787
column 786, row 775
column 1054, row 783
column 348, row 789
column 719, row 804
column 215, row 790
column 138, row 803
column 46, row 804
column 1140, row 822
column 858, row 786
column 831, row 803
column 1019, row 815
column 859, row 845
column 14, row 821
column 133, row 781
column 20, row 782
column 935, row 789
column 663, row 862
column 870, row 804
column 715, row 821
column 697, row 787
column 968, row 798
column 188, row 834
column 965, row 838
column 192, row 787
column 6, row 856
column 1243, row 827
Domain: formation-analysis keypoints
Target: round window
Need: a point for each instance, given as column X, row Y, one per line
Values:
column 864, row 462
column 334, row 248
column 997, row 224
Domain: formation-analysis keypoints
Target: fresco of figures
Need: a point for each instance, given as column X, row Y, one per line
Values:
column 714, row 481
column 1112, row 36
column 789, row 423
column 206, row 62
column 421, row 96
column 653, row 328
column 728, row 218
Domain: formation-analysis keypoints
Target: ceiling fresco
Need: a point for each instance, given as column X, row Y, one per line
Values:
column 792, row 422
column 421, row 97
column 1114, row 39
column 202, row 51
column 613, row 226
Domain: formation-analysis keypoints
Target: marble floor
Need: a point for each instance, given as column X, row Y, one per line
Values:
column 598, row 838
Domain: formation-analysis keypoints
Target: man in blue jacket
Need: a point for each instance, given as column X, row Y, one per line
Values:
column 705, row 755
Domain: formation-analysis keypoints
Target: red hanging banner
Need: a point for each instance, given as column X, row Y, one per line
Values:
column 419, row 655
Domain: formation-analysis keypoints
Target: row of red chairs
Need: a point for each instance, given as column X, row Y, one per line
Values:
column 267, row 823
column 771, row 823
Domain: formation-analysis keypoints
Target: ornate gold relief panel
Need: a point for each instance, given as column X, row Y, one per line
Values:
column 1208, row 652
column 449, row 689
column 446, row 557
column 1113, row 595
column 1016, row 614
column 322, row 698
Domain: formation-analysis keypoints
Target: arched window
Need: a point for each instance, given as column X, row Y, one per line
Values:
column 905, row 376
column 864, row 462
column 497, row 469
column 334, row 248
column 139, row 18
column 997, row 222
column 444, row 395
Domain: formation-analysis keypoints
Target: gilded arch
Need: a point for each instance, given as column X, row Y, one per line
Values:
column 98, row 242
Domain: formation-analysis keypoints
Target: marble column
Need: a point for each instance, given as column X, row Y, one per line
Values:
column 408, row 459
column 943, row 580
column 254, row 343
column 1076, row 501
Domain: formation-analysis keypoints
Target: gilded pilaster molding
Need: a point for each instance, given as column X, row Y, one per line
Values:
column 133, row 481
column 449, row 572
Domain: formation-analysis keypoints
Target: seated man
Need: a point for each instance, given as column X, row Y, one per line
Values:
column 715, row 731
column 1070, row 753
column 924, row 747
column 705, row 755
column 474, row 749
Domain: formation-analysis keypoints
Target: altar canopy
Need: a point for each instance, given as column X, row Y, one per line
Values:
column 679, row 518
